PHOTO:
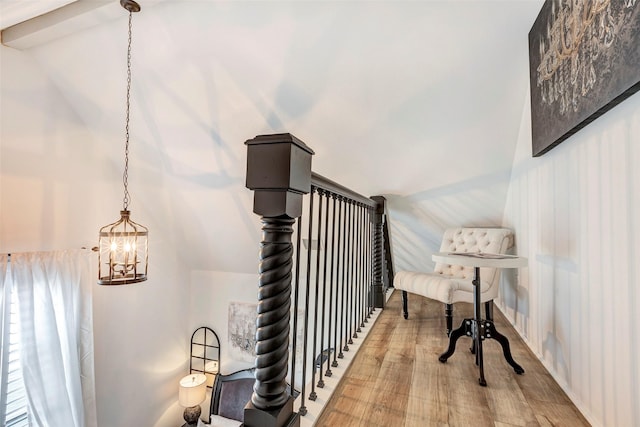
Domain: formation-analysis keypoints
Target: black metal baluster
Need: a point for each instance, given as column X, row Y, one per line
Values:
column 324, row 291
column 351, row 271
column 363, row 301
column 303, row 408
column 296, row 289
column 347, row 269
column 347, row 283
column 339, row 284
column 358, row 269
column 313, row 395
column 369, row 265
column 331, row 304
column 366, row 261
column 363, row 273
column 364, row 264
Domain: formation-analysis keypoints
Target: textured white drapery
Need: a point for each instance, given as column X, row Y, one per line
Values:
column 56, row 328
column 5, row 328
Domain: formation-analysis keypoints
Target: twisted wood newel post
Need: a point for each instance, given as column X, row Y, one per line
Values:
column 279, row 173
column 377, row 285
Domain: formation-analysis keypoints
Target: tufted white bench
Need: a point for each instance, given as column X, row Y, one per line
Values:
column 453, row 283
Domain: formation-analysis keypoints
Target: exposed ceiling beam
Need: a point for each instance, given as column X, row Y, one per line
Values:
column 60, row 22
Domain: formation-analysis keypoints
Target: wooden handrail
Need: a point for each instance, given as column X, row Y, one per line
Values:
column 333, row 187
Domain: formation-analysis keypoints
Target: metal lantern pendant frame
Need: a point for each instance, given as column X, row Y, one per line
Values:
column 123, row 255
column 123, row 248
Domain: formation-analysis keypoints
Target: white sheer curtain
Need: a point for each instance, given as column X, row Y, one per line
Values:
column 56, row 326
column 5, row 308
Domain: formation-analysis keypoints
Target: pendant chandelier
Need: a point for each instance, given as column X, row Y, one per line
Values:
column 123, row 245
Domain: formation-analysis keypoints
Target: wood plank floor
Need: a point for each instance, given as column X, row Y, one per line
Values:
column 396, row 379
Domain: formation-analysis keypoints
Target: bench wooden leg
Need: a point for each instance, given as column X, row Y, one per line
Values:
column 488, row 309
column 405, row 304
column 448, row 314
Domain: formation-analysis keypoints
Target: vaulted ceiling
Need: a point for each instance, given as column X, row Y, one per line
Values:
column 420, row 101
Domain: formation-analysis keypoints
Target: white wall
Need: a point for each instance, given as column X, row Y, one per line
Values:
column 211, row 294
column 575, row 212
column 57, row 188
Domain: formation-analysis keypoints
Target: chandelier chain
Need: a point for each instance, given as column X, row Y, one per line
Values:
column 125, row 175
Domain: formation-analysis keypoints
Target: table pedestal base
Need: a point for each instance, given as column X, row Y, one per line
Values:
column 487, row 330
column 478, row 328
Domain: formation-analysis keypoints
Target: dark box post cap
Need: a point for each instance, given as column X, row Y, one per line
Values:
column 378, row 214
column 279, row 138
column 278, row 166
column 381, row 201
column 278, row 162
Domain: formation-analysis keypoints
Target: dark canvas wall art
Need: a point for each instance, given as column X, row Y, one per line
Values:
column 584, row 58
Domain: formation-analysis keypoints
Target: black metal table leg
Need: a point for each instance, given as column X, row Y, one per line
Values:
column 477, row 317
column 464, row 329
column 487, row 330
column 491, row 332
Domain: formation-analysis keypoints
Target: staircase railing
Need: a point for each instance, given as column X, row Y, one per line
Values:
column 314, row 297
